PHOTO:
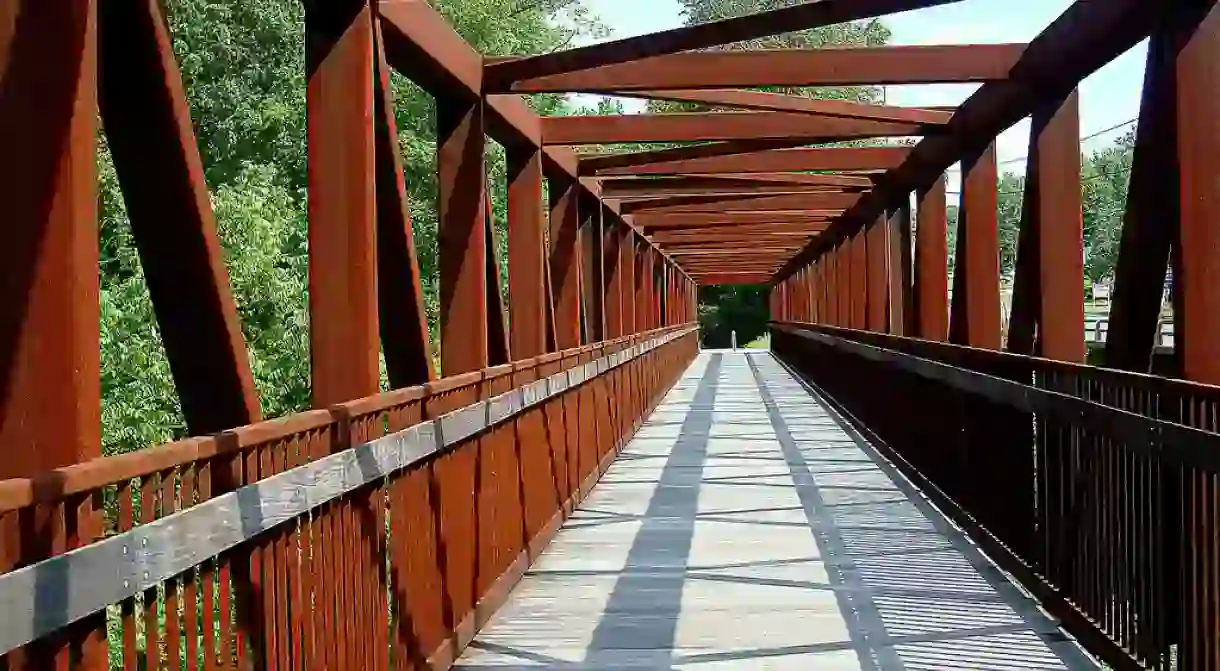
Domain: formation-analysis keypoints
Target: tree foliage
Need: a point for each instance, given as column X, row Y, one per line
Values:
column 243, row 66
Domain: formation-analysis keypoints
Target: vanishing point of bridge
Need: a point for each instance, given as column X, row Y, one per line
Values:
column 901, row 482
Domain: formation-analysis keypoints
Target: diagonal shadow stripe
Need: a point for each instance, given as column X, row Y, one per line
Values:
column 664, row 543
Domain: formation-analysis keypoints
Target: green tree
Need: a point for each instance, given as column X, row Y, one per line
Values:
column 243, row 66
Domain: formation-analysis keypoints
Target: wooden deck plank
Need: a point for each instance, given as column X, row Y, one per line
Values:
column 744, row 527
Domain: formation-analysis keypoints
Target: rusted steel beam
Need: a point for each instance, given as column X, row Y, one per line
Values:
column 716, row 126
column 1198, row 104
column 50, row 372
column 501, row 75
column 731, row 278
column 844, row 159
column 498, row 347
column 849, row 66
column 808, row 228
column 778, row 102
column 591, row 164
column 344, row 348
column 527, row 253
column 711, row 204
column 405, row 340
column 932, row 263
column 734, row 232
column 711, row 241
column 975, row 318
column 616, row 235
column 462, row 235
column 688, row 186
column 821, row 179
column 857, row 281
column 1085, row 37
column 148, row 128
column 565, row 262
column 628, row 253
column 592, row 286
column 698, row 220
column 902, row 296
column 643, row 286
column 877, row 289
column 1048, row 291
column 1148, row 231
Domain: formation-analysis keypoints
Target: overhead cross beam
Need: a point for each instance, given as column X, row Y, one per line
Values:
column 767, row 160
column 702, row 219
column 777, row 102
column 500, row 76
column 686, row 186
column 716, row 126
column 813, row 201
column 856, row 66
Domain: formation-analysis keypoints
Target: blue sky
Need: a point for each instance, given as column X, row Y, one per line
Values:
column 1108, row 98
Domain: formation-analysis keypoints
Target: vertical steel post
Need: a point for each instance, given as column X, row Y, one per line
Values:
column 877, row 256
column 932, row 263
column 1198, row 121
column 342, row 204
column 565, row 261
column 902, row 297
column 526, row 253
column 1049, row 286
column 462, row 235
column 593, row 287
column 615, row 233
column 50, row 376
column 976, row 315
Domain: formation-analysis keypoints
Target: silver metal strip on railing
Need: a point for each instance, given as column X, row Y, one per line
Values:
column 44, row 597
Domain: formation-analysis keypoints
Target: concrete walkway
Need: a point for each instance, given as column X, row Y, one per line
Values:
column 743, row 527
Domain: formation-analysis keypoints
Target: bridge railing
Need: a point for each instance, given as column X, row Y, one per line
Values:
column 378, row 533
column 1096, row 488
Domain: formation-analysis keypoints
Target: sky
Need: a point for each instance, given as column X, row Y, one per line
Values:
column 1108, row 98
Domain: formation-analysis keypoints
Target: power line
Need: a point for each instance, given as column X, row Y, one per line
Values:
column 1086, row 138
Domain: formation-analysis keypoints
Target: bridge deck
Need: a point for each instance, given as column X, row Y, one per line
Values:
column 744, row 527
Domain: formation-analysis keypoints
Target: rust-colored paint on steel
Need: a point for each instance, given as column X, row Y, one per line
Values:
column 148, row 129
column 848, row 66
column 771, row 160
column 660, row 235
column 686, row 239
column 820, row 179
column 616, row 235
column 695, row 221
column 502, row 74
column 715, row 126
column 696, row 187
column 342, row 208
column 49, row 376
column 713, row 204
column 1083, row 39
column 898, row 250
column 565, row 261
column 593, row 278
column 932, row 262
column 1198, row 109
column 592, row 164
column 527, row 253
column 628, row 251
column 778, row 102
column 498, row 347
column 405, row 340
column 1143, row 253
column 732, row 279
column 1050, row 255
column 461, row 235
column 857, row 260
column 877, row 289
column 975, row 316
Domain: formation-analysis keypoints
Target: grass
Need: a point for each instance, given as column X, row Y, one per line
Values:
column 762, row 342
